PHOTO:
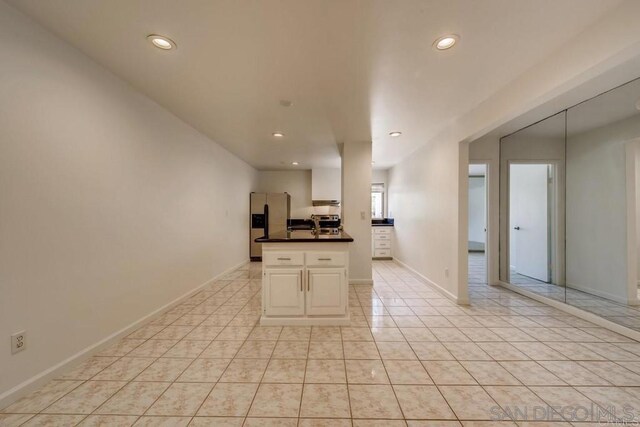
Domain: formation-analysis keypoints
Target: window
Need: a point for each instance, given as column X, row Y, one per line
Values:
column 377, row 200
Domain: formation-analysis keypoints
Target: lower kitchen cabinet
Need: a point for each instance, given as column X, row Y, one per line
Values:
column 382, row 242
column 326, row 291
column 308, row 287
column 283, row 292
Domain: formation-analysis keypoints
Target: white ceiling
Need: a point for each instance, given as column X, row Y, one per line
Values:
column 355, row 70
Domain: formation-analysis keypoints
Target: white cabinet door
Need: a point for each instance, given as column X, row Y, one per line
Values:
column 326, row 291
column 283, row 292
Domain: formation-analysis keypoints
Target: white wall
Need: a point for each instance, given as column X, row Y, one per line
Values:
column 356, row 208
column 296, row 183
column 111, row 207
column 596, row 209
column 477, row 198
column 423, row 198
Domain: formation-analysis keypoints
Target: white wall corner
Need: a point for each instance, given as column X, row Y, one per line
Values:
column 434, row 285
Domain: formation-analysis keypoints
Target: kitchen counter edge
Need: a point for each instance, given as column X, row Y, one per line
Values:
column 284, row 237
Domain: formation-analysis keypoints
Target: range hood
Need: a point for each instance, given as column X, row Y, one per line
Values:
column 325, row 187
column 325, row 202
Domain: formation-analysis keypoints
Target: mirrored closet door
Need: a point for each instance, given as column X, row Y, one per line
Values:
column 570, row 206
column 603, row 134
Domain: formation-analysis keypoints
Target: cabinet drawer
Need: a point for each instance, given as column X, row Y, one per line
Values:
column 381, row 230
column 382, row 236
column 382, row 253
column 383, row 244
column 282, row 258
column 333, row 259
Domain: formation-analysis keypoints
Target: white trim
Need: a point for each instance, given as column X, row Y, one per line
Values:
column 361, row 281
column 585, row 315
column 598, row 293
column 434, row 285
column 488, row 247
column 632, row 217
column 36, row 381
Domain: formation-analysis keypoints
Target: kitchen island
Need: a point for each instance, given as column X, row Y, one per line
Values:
column 305, row 278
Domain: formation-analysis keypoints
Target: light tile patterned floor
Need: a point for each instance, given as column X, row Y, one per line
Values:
column 617, row 312
column 409, row 356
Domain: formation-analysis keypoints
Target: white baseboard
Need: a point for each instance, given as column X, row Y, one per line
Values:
column 38, row 380
column 433, row 284
column 361, row 281
column 598, row 293
column 585, row 315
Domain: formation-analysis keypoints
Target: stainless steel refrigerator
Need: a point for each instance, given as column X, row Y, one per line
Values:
column 278, row 213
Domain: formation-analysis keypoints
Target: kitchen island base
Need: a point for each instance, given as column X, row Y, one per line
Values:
column 305, row 283
column 305, row 321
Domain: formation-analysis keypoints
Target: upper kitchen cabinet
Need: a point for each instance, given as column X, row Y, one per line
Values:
column 325, row 186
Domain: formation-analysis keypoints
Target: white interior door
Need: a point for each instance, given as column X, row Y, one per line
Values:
column 529, row 220
column 477, row 213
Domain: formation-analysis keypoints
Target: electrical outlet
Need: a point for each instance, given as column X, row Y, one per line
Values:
column 18, row 341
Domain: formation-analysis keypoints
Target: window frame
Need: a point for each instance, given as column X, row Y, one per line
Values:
column 378, row 188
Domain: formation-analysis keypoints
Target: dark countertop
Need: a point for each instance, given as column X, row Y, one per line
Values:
column 385, row 222
column 304, row 236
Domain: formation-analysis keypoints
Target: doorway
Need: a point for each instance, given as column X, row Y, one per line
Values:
column 530, row 223
column 477, row 226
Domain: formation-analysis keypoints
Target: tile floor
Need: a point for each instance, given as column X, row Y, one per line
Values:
column 622, row 314
column 410, row 357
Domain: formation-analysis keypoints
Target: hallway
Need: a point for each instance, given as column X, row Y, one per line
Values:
column 410, row 355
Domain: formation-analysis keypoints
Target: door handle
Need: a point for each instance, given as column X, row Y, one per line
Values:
column 324, row 259
column 308, row 282
column 284, row 259
column 301, row 282
column 516, row 228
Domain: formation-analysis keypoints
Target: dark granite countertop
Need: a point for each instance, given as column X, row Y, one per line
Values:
column 304, row 236
column 385, row 222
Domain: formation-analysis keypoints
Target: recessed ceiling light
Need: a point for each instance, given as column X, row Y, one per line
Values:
column 162, row 42
column 446, row 42
column 278, row 134
column 294, row 163
column 394, row 134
